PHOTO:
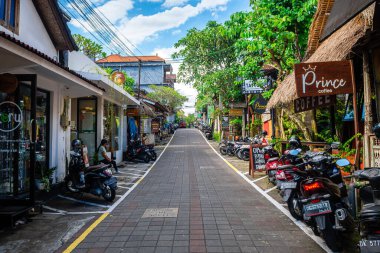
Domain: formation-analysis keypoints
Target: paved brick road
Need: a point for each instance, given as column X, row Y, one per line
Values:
column 217, row 210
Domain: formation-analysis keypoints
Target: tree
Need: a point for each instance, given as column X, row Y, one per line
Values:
column 90, row 48
column 190, row 119
column 167, row 96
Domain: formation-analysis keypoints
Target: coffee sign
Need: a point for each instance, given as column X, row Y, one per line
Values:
column 10, row 116
column 309, row 103
column 323, row 78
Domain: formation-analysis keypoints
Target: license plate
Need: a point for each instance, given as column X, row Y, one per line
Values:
column 369, row 246
column 289, row 185
column 321, row 207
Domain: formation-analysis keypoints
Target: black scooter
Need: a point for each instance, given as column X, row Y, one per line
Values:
column 98, row 178
column 369, row 218
column 138, row 152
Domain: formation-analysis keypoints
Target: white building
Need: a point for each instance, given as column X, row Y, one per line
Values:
column 39, row 97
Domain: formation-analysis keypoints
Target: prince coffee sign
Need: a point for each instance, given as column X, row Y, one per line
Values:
column 323, row 78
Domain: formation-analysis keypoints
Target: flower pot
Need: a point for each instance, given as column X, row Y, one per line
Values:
column 39, row 184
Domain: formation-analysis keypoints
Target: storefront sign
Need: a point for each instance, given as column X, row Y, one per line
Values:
column 118, row 77
column 132, row 112
column 323, row 78
column 10, row 116
column 236, row 112
column 225, row 123
column 309, row 103
column 155, row 127
column 249, row 88
column 260, row 105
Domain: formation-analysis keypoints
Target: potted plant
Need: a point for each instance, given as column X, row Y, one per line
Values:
column 46, row 177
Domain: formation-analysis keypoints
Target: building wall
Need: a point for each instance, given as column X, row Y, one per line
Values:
column 32, row 31
column 151, row 73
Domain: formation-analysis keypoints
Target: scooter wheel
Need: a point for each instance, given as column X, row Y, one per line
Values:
column 245, row 155
column 71, row 186
column 153, row 156
column 146, row 158
column 109, row 193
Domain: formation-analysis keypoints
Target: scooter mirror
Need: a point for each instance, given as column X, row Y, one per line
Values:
column 342, row 162
column 294, row 152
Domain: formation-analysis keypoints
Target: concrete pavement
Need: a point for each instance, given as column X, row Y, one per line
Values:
column 191, row 201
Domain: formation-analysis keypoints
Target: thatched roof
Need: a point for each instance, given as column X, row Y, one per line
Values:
column 318, row 25
column 336, row 48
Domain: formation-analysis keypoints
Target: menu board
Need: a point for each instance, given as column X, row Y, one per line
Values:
column 258, row 159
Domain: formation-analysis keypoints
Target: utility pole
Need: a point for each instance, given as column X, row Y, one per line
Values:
column 139, row 80
column 138, row 94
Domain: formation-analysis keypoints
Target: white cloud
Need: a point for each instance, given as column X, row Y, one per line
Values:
column 140, row 27
column 116, row 10
column 165, row 52
column 173, row 3
column 175, row 32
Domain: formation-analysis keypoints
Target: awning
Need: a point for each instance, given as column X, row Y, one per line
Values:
column 336, row 48
column 146, row 110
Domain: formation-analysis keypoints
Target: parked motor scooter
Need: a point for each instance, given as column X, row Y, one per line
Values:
column 369, row 217
column 98, row 178
column 137, row 151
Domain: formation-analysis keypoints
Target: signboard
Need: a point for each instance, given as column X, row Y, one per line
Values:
column 258, row 159
column 132, row 112
column 10, row 116
column 225, row 123
column 260, row 105
column 155, row 127
column 236, row 112
column 210, row 111
column 249, row 88
column 309, row 103
column 323, row 78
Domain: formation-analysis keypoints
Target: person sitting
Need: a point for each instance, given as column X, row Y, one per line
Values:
column 103, row 157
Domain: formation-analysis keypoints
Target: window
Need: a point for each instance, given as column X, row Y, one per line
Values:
column 9, row 14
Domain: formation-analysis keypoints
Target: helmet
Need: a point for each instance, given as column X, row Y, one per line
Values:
column 76, row 145
column 295, row 142
column 376, row 130
column 264, row 133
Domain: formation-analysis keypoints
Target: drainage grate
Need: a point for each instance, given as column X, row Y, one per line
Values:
column 161, row 213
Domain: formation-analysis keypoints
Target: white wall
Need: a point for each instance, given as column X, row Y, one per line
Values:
column 77, row 61
column 32, row 31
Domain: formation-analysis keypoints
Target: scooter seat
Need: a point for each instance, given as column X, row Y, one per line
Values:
column 273, row 159
column 370, row 174
column 370, row 211
column 98, row 166
column 285, row 167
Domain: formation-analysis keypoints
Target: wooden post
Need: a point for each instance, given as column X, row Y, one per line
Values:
column 356, row 116
column 251, row 165
column 332, row 120
column 368, row 120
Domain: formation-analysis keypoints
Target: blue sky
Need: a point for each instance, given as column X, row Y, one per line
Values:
column 155, row 25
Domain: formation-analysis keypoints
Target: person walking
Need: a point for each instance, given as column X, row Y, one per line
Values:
column 103, row 157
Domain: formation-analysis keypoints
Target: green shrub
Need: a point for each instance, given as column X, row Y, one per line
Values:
column 216, row 136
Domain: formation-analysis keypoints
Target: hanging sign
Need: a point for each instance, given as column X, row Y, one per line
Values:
column 155, row 126
column 309, row 103
column 236, row 112
column 249, row 88
column 323, row 78
column 260, row 105
column 132, row 112
column 225, row 123
column 10, row 116
column 118, row 78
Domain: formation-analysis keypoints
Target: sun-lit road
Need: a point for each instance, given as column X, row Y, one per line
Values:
column 191, row 201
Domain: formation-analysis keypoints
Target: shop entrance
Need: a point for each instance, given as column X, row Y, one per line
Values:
column 17, row 140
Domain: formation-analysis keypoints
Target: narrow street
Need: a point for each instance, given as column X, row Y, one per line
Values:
column 191, row 201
